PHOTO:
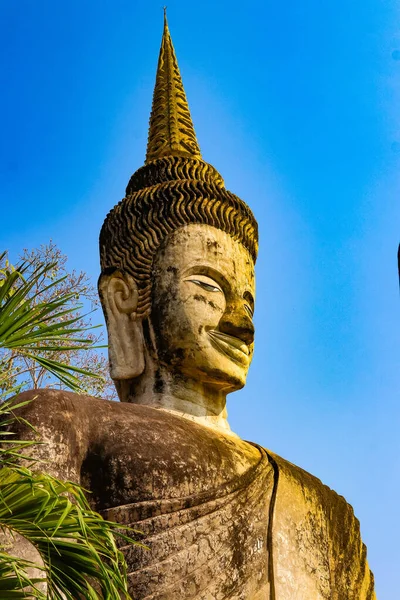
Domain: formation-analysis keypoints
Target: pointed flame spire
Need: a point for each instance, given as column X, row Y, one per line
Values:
column 171, row 131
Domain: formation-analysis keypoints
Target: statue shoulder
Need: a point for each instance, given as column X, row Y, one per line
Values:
column 327, row 530
column 308, row 489
column 54, row 410
column 59, row 421
column 294, row 475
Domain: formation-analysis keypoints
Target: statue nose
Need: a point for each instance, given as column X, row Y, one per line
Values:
column 238, row 324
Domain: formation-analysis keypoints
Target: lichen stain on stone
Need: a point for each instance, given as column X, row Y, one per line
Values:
column 200, row 298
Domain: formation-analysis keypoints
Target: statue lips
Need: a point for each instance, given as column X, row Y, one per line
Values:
column 232, row 347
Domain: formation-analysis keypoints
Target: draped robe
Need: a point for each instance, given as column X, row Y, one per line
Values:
column 205, row 546
column 222, row 519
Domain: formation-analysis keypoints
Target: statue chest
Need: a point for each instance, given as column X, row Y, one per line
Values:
column 205, row 525
column 143, row 455
column 200, row 499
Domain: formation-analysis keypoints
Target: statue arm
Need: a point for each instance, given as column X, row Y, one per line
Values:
column 329, row 558
column 352, row 573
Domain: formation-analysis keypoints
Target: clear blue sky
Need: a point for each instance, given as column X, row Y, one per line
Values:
column 297, row 105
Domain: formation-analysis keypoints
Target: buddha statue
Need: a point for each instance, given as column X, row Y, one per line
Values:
column 222, row 518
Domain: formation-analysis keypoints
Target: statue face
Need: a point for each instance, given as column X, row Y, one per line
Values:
column 202, row 307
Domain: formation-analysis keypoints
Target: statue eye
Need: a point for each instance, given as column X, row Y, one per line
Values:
column 206, row 286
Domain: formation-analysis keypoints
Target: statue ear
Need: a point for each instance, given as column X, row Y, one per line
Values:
column 119, row 298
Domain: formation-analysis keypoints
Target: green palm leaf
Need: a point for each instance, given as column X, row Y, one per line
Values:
column 26, row 326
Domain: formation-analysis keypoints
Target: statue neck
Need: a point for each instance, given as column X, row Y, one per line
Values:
column 174, row 393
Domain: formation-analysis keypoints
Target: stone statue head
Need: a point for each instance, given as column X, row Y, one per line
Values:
column 177, row 257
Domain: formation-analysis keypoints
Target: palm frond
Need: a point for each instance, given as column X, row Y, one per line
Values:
column 15, row 581
column 33, row 328
column 74, row 542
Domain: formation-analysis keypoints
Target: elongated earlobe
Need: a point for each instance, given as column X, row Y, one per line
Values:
column 119, row 298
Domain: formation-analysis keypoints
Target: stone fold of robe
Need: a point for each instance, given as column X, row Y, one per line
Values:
column 275, row 533
column 210, row 546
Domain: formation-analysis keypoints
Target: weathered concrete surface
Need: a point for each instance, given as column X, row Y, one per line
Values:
column 223, row 518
